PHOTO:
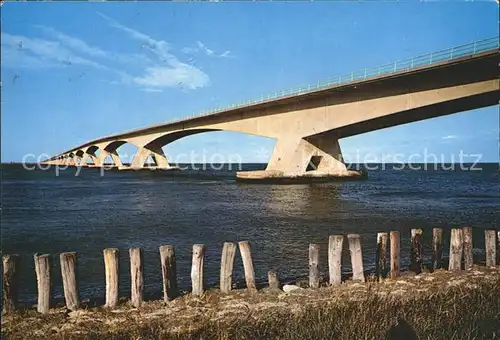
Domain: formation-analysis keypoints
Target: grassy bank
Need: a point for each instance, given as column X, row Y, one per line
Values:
column 431, row 306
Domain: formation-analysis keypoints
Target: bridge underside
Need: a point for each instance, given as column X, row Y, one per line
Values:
column 307, row 129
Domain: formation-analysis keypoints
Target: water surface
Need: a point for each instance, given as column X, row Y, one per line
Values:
column 45, row 213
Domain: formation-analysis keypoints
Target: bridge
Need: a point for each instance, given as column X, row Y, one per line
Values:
column 308, row 122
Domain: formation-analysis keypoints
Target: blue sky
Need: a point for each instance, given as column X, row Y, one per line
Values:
column 72, row 72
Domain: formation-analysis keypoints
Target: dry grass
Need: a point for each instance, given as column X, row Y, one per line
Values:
column 432, row 306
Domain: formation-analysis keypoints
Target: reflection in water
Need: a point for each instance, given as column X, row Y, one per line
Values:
column 147, row 209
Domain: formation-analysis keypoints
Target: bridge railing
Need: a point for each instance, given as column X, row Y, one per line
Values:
column 448, row 54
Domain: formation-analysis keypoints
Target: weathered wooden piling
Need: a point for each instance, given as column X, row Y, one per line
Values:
column 313, row 265
column 437, row 248
column 111, row 268
column 395, row 255
column 197, row 269
column 354, row 241
column 498, row 248
column 334, row 258
column 136, row 277
column 468, row 259
column 226, row 267
column 42, row 269
column 70, row 283
column 169, row 272
column 490, row 245
column 461, row 247
column 417, row 252
column 246, row 256
column 381, row 256
column 10, row 288
column 272, row 277
column 456, row 249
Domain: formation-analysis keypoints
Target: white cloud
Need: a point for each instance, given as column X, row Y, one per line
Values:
column 450, row 137
column 161, row 69
column 24, row 52
column 74, row 43
column 202, row 48
column 171, row 72
column 205, row 49
column 151, row 90
column 182, row 76
column 13, row 57
column 81, row 46
column 189, row 50
column 18, row 50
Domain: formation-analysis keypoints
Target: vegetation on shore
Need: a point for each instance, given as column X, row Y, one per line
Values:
column 442, row 305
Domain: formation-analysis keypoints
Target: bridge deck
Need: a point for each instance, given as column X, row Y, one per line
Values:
column 399, row 68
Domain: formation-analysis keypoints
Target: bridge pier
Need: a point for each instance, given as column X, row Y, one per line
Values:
column 114, row 156
column 142, row 155
column 80, row 162
column 316, row 157
column 93, row 157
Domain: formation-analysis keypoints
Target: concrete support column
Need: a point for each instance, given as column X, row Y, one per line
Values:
column 318, row 153
column 114, row 156
column 93, row 157
column 80, row 161
column 160, row 158
column 116, row 159
column 83, row 160
column 156, row 153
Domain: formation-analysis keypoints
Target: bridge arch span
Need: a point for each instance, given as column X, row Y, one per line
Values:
column 79, row 154
column 108, row 151
column 154, row 146
column 170, row 137
column 124, row 147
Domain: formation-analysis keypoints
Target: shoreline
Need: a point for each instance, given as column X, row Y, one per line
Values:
column 98, row 300
column 217, row 315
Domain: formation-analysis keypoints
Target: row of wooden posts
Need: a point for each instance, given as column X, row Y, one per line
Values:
column 460, row 249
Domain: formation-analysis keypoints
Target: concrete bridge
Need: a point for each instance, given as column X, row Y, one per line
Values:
column 307, row 123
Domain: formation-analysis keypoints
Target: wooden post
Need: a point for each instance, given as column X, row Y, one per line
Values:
column 169, row 272
column 416, row 251
column 334, row 258
column 498, row 248
column 456, row 249
column 354, row 241
column 136, row 277
column 272, row 276
column 226, row 266
column 313, row 265
column 468, row 259
column 246, row 256
column 42, row 269
column 490, row 245
column 395, row 242
column 197, row 269
column 10, row 282
column 111, row 267
column 381, row 256
column 70, row 284
column 437, row 248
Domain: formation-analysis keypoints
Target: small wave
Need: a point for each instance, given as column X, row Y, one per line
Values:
column 478, row 196
column 398, row 193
